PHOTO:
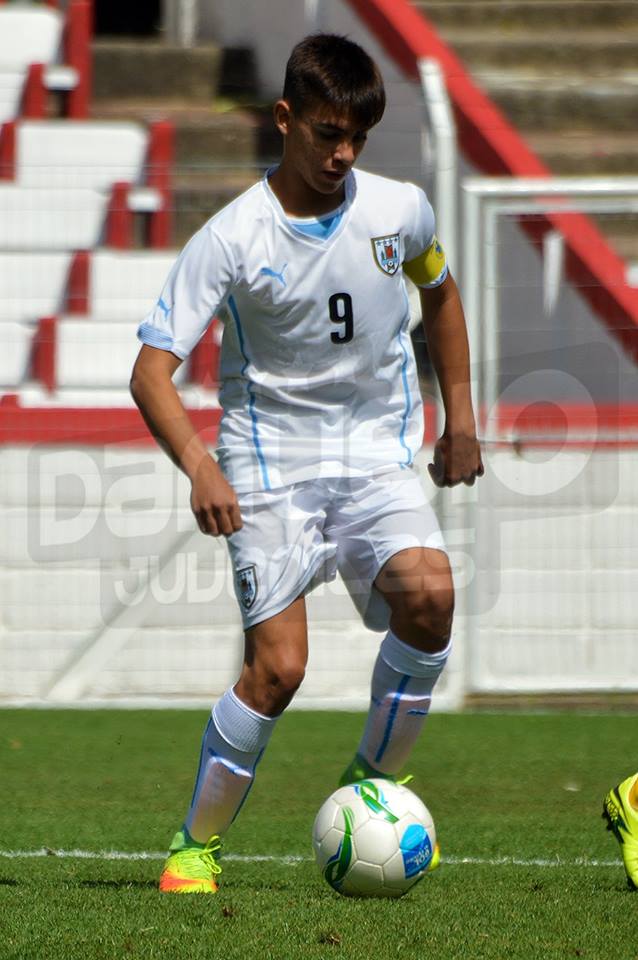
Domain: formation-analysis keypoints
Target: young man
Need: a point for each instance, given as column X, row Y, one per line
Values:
column 322, row 418
column 620, row 810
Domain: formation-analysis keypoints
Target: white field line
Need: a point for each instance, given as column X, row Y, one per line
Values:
column 293, row 859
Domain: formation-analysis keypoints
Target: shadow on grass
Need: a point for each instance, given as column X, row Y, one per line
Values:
column 119, row 884
column 88, row 884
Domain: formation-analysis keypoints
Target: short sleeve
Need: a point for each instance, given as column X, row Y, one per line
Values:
column 197, row 286
column 421, row 232
column 425, row 263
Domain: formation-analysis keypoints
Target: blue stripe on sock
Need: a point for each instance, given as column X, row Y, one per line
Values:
column 243, row 799
column 392, row 717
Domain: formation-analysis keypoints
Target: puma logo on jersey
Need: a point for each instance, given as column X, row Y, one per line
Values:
column 267, row 272
column 165, row 310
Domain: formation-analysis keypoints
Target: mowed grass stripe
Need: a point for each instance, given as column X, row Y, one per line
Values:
column 292, row 859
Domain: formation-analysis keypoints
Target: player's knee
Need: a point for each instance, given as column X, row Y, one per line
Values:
column 435, row 612
column 284, row 679
column 426, row 618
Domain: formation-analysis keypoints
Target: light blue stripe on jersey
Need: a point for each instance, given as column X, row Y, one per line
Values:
column 392, row 715
column 154, row 338
column 251, row 395
column 321, row 228
column 406, row 390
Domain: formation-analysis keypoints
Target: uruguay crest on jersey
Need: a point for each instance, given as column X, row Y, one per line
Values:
column 386, row 253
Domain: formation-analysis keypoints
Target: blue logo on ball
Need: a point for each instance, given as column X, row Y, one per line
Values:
column 416, row 848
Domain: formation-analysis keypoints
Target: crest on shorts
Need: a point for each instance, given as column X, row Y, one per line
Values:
column 386, row 253
column 247, row 584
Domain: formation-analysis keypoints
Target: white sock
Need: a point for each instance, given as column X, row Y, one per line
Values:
column 232, row 746
column 402, row 682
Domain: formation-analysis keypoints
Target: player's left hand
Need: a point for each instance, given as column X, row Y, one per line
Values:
column 456, row 459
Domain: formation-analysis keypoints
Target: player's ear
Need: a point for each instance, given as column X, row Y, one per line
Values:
column 282, row 115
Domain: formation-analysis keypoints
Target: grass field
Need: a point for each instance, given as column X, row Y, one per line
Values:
column 516, row 796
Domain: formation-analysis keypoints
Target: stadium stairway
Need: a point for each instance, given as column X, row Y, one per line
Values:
column 208, row 94
column 564, row 73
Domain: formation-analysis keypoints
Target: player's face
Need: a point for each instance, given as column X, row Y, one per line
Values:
column 322, row 146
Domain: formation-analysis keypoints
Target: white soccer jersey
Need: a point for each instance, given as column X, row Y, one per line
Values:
column 318, row 377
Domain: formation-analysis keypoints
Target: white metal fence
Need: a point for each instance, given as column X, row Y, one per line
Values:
column 551, row 603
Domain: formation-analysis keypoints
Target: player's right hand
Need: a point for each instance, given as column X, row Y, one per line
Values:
column 214, row 502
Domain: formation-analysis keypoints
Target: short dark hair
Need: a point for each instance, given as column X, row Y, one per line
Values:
column 328, row 69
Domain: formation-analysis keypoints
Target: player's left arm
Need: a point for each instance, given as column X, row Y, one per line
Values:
column 457, row 454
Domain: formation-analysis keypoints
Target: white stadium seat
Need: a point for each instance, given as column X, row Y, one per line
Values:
column 28, row 34
column 96, row 354
column 32, row 285
column 15, row 353
column 79, row 153
column 50, row 219
column 11, row 84
column 93, row 353
column 125, row 285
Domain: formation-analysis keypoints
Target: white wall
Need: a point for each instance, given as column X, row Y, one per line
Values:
column 111, row 594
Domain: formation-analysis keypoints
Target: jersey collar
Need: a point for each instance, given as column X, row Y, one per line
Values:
column 350, row 185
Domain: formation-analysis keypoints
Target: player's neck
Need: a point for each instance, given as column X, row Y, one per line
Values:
column 298, row 199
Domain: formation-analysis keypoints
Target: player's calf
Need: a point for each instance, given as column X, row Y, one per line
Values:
column 402, row 683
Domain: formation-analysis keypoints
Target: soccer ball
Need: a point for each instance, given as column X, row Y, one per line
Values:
column 373, row 838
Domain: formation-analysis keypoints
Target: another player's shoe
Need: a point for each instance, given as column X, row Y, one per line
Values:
column 622, row 820
column 360, row 769
column 191, row 867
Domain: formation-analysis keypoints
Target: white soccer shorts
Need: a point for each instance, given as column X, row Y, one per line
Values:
column 296, row 537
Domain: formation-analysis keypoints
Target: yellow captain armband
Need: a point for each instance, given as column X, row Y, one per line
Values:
column 429, row 268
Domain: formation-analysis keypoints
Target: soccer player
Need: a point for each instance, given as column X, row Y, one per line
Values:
column 322, row 418
column 620, row 810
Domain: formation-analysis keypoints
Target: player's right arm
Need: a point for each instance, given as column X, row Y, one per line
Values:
column 213, row 500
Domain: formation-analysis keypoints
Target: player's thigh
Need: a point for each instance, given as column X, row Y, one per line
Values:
column 389, row 516
column 280, row 643
column 278, row 552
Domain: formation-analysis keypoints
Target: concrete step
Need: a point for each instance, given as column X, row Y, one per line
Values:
column 221, row 148
column 534, row 101
column 542, row 14
column 570, row 152
column 206, row 135
column 602, row 52
column 147, row 68
column 196, row 202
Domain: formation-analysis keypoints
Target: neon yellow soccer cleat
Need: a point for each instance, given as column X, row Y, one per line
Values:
column 622, row 820
column 191, row 869
column 360, row 769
